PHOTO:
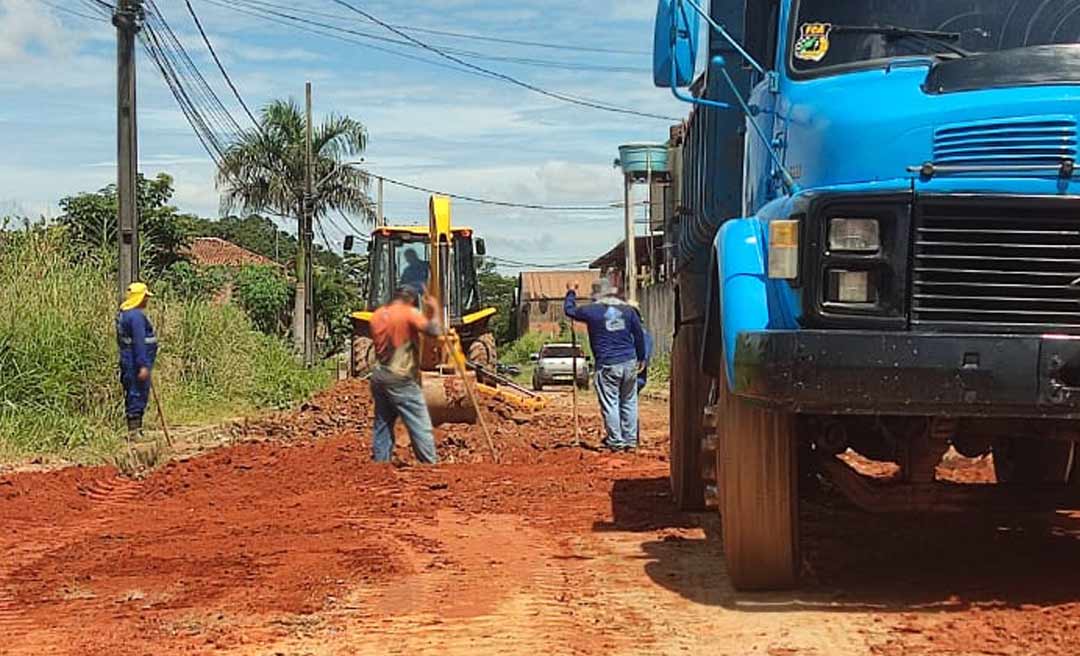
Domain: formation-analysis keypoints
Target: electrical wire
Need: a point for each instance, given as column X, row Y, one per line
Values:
column 537, row 265
column 255, row 6
column 498, row 203
column 217, row 60
column 584, row 102
column 73, row 12
column 217, row 109
column 339, row 37
column 150, row 41
column 562, row 47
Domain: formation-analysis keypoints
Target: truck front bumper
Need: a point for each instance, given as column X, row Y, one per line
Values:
column 834, row 372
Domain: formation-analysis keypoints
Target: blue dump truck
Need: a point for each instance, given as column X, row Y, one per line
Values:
column 878, row 249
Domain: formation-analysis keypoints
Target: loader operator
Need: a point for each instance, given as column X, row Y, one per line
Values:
column 618, row 343
column 138, row 350
column 416, row 272
column 395, row 329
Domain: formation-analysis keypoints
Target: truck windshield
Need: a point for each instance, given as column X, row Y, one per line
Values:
column 829, row 34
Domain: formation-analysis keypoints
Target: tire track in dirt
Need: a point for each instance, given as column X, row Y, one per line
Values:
column 20, row 591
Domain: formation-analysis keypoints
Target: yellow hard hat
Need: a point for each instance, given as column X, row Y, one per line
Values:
column 137, row 292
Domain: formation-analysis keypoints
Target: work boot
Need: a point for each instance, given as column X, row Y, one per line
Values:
column 134, row 426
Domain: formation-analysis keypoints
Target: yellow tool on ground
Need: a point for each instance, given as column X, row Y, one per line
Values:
column 457, row 355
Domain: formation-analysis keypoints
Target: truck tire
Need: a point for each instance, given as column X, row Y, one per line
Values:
column 1032, row 461
column 483, row 352
column 759, row 501
column 362, row 359
column 537, row 385
column 689, row 392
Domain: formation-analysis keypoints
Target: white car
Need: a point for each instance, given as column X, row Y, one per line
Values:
column 555, row 366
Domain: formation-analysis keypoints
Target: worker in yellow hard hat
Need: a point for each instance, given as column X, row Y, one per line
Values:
column 138, row 350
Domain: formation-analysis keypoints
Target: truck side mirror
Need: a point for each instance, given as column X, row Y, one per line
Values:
column 675, row 44
column 349, row 243
column 535, row 357
column 481, row 247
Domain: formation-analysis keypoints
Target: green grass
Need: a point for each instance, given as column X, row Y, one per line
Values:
column 59, row 388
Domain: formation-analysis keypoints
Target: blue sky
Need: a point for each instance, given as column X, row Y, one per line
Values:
column 428, row 124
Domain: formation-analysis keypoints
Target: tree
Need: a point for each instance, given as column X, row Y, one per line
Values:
column 263, row 293
column 264, row 171
column 335, row 297
column 90, row 219
column 497, row 291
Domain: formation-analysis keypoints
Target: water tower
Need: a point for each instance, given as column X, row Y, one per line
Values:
column 641, row 163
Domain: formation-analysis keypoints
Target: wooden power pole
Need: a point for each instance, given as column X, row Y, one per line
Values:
column 127, row 18
column 380, row 218
column 309, row 238
column 630, row 279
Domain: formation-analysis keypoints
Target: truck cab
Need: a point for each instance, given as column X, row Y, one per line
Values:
column 896, row 269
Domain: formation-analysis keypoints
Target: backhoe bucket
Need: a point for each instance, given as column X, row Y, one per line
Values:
column 446, row 397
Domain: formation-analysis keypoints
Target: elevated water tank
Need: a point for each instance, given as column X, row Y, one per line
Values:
column 637, row 160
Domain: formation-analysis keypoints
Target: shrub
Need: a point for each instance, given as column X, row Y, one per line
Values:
column 264, row 294
column 520, row 350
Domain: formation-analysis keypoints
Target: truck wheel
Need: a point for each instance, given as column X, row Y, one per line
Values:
column 689, row 392
column 1031, row 461
column 759, row 500
column 483, row 352
column 362, row 359
column 538, row 386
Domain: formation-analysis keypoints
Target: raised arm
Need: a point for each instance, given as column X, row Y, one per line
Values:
column 570, row 305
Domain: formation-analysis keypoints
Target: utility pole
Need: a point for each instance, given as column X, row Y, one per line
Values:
column 309, row 238
column 631, row 243
column 380, row 218
column 127, row 18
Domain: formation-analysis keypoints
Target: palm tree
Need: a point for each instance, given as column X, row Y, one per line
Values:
column 264, row 170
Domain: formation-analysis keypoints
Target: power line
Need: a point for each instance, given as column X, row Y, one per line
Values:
column 72, row 12
column 538, row 265
column 221, row 67
column 271, row 9
column 339, row 37
column 584, row 102
column 562, row 47
column 498, row 203
column 534, row 44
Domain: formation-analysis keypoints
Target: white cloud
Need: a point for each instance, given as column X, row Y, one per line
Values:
column 637, row 10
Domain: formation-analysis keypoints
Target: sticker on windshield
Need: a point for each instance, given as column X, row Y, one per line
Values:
column 813, row 43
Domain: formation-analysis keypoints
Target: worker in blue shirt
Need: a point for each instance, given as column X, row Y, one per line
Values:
column 618, row 344
column 138, row 350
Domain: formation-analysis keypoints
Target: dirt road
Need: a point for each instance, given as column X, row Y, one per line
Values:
column 297, row 545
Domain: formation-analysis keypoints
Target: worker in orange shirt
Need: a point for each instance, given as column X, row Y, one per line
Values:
column 395, row 386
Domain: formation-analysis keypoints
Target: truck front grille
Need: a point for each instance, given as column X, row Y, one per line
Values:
column 993, row 264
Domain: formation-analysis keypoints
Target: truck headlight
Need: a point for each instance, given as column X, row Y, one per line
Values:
column 855, row 235
column 852, row 287
column 784, row 250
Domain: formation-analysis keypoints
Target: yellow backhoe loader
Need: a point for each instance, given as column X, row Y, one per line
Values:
column 438, row 260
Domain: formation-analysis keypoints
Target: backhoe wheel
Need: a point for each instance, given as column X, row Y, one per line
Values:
column 363, row 356
column 759, row 501
column 483, row 352
column 1032, row 461
column 689, row 392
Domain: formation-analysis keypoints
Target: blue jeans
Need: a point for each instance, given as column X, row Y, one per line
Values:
column 396, row 399
column 616, row 387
